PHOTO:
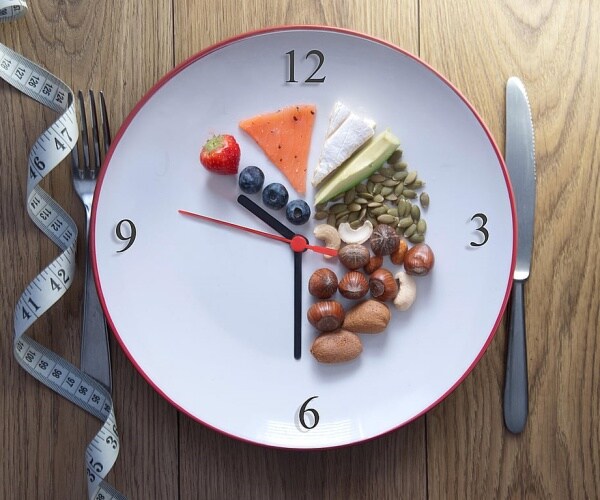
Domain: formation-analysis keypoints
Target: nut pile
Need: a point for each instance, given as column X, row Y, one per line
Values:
column 391, row 196
column 368, row 282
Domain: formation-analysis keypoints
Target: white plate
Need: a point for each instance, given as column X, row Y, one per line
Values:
column 205, row 312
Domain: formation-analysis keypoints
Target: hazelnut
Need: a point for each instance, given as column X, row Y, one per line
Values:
column 353, row 285
column 398, row 256
column 374, row 263
column 326, row 315
column 354, row 256
column 384, row 240
column 323, row 283
column 419, row 260
column 383, row 285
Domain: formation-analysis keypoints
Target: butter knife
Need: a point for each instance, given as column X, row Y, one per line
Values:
column 520, row 161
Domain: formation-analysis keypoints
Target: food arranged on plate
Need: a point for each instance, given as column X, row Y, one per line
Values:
column 221, row 155
column 285, row 137
column 368, row 207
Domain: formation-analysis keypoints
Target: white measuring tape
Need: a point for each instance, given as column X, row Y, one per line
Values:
column 46, row 288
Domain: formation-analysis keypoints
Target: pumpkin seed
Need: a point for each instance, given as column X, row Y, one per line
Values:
column 337, row 208
column 416, row 238
column 376, row 212
column 374, row 204
column 361, row 201
column 355, row 207
column 390, row 183
column 387, row 219
column 372, row 220
column 361, row 188
column 406, row 222
column 424, row 199
column 401, row 205
column 421, row 226
column 353, row 216
column 386, row 190
column 415, row 213
column 342, row 219
column 362, row 213
column 331, row 219
column 366, row 196
column 393, row 212
column 349, row 196
column 410, row 178
column 377, row 188
column 399, row 189
column 321, row 206
column 409, row 193
column 387, row 172
column 417, row 184
column 391, row 197
column 400, row 166
column 378, row 198
column 377, row 178
column 356, row 224
column 370, row 186
column 340, row 215
column 321, row 214
column 410, row 230
column 400, row 176
column 395, row 157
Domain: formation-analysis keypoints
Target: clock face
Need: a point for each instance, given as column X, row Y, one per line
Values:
column 206, row 313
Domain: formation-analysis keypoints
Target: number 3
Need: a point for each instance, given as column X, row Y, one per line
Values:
column 481, row 229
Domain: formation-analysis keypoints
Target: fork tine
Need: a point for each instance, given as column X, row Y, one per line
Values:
column 85, row 144
column 75, row 152
column 95, row 131
column 105, row 125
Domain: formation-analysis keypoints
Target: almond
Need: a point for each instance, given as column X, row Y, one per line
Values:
column 336, row 347
column 370, row 316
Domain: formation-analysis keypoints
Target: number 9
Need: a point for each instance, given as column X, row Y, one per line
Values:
column 132, row 233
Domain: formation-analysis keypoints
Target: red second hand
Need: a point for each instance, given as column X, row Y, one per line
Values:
column 297, row 243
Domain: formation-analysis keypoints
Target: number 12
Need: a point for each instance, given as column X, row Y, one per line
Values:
column 311, row 78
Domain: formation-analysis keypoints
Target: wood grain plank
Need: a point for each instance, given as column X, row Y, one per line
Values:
column 99, row 46
column 215, row 466
column 199, row 25
column 553, row 47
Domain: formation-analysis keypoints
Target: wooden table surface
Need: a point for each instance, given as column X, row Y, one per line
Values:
column 460, row 449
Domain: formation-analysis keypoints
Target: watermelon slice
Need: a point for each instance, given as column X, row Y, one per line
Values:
column 285, row 136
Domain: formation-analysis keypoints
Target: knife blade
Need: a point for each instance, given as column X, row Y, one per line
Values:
column 520, row 161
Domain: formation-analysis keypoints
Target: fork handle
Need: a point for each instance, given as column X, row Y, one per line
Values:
column 516, row 398
column 95, row 349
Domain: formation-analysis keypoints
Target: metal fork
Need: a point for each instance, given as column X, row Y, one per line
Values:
column 95, row 349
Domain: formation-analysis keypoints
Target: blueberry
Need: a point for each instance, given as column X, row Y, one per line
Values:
column 297, row 212
column 275, row 196
column 251, row 180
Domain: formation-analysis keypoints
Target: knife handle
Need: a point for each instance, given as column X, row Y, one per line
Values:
column 516, row 398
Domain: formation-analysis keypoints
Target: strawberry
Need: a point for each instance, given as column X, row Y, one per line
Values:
column 221, row 155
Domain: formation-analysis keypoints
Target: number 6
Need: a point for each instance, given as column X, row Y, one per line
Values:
column 303, row 411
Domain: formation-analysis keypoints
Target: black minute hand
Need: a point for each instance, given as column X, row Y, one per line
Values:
column 271, row 221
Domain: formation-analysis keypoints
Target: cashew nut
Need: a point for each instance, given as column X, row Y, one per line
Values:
column 329, row 235
column 407, row 291
column 358, row 235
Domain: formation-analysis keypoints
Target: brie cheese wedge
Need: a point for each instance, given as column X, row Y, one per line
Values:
column 346, row 133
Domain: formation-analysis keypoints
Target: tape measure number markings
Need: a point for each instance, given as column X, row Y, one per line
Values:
column 48, row 286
